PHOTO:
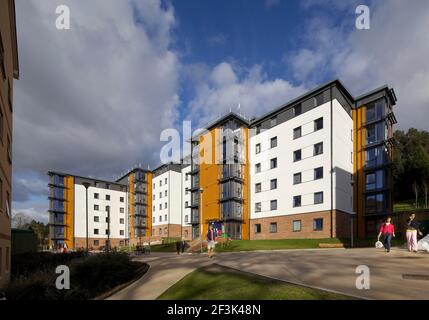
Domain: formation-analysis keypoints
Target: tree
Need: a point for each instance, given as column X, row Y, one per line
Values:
column 20, row 220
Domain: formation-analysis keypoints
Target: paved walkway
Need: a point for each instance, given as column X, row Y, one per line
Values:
column 332, row 269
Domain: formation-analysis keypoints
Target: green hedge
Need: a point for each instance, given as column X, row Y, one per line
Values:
column 89, row 277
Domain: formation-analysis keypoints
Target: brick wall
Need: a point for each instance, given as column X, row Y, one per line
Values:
column 80, row 243
column 341, row 226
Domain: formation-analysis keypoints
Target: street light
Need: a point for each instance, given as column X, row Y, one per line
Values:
column 201, row 190
column 86, row 185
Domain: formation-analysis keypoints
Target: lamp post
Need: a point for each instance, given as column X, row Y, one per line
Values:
column 86, row 185
column 201, row 190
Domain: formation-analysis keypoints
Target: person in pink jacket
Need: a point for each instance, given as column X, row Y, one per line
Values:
column 387, row 230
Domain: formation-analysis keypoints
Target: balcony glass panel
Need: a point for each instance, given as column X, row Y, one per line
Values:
column 375, row 133
column 376, row 157
column 375, row 110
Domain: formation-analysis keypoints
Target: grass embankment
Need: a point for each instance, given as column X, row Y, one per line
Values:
column 409, row 205
column 219, row 283
column 90, row 276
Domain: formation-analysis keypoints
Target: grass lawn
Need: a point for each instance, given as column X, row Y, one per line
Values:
column 219, row 283
column 248, row 245
column 167, row 247
column 408, row 205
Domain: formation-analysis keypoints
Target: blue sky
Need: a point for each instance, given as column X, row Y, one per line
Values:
column 94, row 100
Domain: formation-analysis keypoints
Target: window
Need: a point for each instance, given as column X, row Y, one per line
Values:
column 258, row 168
column 273, row 205
column 1, row 126
column 154, row 186
column 273, row 142
column 154, row 208
column 258, row 129
column 96, row 196
column 186, row 219
column 258, row 228
column 186, row 204
column 318, row 100
column 318, row 173
column 375, row 156
column 121, row 199
column 96, row 231
column 273, row 227
column 160, row 218
column 258, row 207
column 107, row 208
column 107, row 197
column 96, row 219
column 96, row 207
column 297, row 178
column 165, row 217
column 153, row 197
column 2, row 64
column 153, row 220
column 96, row 243
column 273, row 121
column 121, row 232
column 160, row 206
column 318, row 224
column 160, row 183
column 166, row 180
column 318, row 149
column 318, row 198
column 160, row 195
column 258, row 148
column 107, row 232
column 375, row 180
column 273, row 163
column 297, row 201
column 297, row 133
column 107, row 219
column 375, row 110
column 121, row 221
column 297, row 110
column 258, row 188
column 375, row 203
column 165, row 205
column 165, row 193
column 318, row 124
column 296, row 155
column 296, row 225
column 273, row 184
column 375, row 133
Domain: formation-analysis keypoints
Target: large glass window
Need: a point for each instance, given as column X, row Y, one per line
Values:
column 375, row 180
column 375, row 203
column 375, row 133
column 375, row 110
column 375, row 156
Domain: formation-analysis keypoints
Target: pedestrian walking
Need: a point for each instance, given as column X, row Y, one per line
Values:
column 387, row 230
column 413, row 228
column 178, row 246
column 211, row 238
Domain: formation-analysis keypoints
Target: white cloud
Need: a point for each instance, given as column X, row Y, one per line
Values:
column 394, row 51
column 227, row 90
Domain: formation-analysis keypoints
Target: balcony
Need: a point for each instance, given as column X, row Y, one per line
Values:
column 58, row 220
column 195, row 219
column 140, row 189
column 232, row 172
column 140, row 177
column 57, row 194
column 57, row 181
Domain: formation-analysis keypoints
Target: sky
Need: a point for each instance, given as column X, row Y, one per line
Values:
column 93, row 100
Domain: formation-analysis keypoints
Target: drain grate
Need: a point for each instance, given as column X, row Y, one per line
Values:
column 415, row 277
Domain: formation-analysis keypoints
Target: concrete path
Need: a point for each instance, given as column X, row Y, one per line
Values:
column 165, row 270
column 335, row 269
column 332, row 269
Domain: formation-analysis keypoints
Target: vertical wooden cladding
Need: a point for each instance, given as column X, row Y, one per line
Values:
column 359, row 163
column 209, row 174
column 149, row 205
column 69, row 209
column 245, row 234
column 131, row 205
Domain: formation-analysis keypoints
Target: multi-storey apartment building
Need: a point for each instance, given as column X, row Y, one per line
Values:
column 87, row 213
column 318, row 166
column 9, row 70
column 167, row 201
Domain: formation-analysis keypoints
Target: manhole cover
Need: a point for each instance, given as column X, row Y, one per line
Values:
column 415, row 277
